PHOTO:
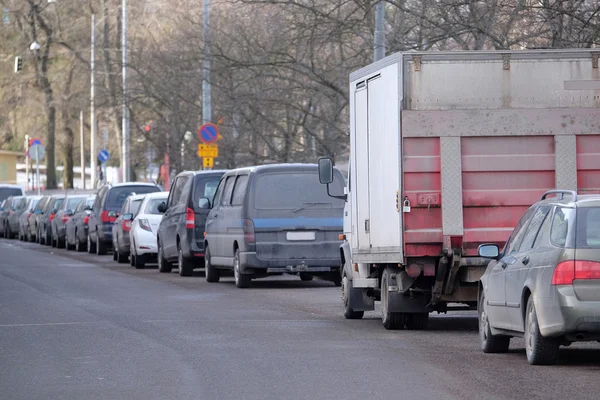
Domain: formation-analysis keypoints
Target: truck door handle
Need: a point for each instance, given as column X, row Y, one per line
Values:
column 525, row 260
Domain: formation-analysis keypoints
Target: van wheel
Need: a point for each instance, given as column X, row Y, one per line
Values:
column 346, row 290
column 390, row 320
column 490, row 343
column 540, row 350
column 186, row 268
column 163, row 264
column 210, row 272
column 417, row 321
column 241, row 280
column 306, row 277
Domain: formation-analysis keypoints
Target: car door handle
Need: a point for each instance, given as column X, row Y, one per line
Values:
column 525, row 260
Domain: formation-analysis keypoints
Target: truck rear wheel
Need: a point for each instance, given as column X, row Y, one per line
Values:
column 417, row 321
column 349, row 313
column 390, row 320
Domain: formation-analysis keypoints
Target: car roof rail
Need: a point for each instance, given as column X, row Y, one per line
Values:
column 562, row 193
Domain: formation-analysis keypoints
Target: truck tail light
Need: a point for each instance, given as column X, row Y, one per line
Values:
column 126, row 226
column 190, row 219
column 568, row 271
column 249, row 236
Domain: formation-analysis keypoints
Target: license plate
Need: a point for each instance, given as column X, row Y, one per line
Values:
column 299, row 236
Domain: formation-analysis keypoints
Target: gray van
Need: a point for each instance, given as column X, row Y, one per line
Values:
column 274, row 219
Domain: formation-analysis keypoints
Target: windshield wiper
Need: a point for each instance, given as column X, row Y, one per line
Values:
column 315, row 203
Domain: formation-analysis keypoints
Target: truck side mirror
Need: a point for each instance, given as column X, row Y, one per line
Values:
column 325, row 171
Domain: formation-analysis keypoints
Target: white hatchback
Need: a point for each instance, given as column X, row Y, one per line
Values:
column 142, row 237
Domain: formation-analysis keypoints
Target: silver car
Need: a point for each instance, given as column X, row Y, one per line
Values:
column 545, row 285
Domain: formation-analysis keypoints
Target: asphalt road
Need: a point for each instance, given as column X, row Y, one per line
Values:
column 79, row 326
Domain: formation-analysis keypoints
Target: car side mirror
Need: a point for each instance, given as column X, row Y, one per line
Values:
column 69, row 212
column 162, row 207
column 204, row 202
column 325, row 171
column 488, row 251
column 127, row 217
column 113, row 214
column 54, row 211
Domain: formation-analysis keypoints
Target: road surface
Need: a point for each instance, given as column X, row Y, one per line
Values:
column 80, row 326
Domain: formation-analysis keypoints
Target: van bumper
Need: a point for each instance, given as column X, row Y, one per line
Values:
column 249, row 260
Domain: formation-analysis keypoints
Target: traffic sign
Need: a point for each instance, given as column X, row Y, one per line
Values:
column 208, row 133
column 37, row 152
column 208, row 162
column 208, row 150
column 35, row 141
column 104, row 155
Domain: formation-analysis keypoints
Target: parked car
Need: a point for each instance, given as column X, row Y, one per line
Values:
column 274, row 219
column 34, row 219
column 180, row 235
column 545, row 284
column 77, row 226
column 122, row 226
column 32, row 202
column 63, row 215
column 9, row 209
column 143, row 245
column 7, row 191
column 105, row 211
column 45, row 219
column 12, row 221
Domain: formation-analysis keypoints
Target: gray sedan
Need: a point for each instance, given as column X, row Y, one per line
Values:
column 545, row 285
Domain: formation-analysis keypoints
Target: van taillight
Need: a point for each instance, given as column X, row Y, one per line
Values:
column 249, row 236
column 190, row 219
column 567, row 271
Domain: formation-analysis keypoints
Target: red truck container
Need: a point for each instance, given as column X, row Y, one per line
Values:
column 448, row 150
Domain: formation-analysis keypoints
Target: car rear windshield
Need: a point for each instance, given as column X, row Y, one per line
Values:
column 587, row 234
column 73, row 202
column 135, row 206
column 296, row 190
column 152, row 206
column 5, row 193
column 205, row 187
column 118, row 195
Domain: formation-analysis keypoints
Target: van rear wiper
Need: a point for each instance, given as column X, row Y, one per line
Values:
column 315, row 203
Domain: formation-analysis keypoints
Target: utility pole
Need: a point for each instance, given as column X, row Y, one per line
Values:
column 379, row 48
column 26, row 163
column 125, row 161
column 93, row 153
column 206, row 95
column 82, row 149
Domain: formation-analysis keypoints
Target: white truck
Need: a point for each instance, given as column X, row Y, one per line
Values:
column 448, row 150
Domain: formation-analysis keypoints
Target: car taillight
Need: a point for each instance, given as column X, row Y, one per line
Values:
column 86, row 219
column 51, row 217
column 249, row 236
column 65, row 218
column 144, row 225
column 190, row 219
column 105, row 218
column 568, row 271
column 126, row 226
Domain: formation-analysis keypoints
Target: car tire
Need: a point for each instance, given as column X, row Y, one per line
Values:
column 417, row 321
column 163, row 265
column 60, row 243
column 490, row 343
column 390, row 320
column 349, row 313
column 242, row 281
column 211, row 273
column 91, row 246
column 139, row 261
column 101, row 248
column 540, row 350
column 305, row 277
column 186, row 267
column 79, row 247
column 337, row 279
column 121, row 257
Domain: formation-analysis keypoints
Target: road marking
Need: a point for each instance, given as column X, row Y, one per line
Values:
column 48, row 324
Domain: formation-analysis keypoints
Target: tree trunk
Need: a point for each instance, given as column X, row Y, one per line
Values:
column 51, row 138
column 68, row 155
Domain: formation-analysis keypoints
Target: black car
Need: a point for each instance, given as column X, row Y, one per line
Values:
column 77, row 226
column 44, row 234
column 63, row 215
column 106, row 209
column 181, row 232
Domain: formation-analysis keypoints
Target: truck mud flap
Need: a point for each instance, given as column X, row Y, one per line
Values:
column 359, row 301
column 398, row 302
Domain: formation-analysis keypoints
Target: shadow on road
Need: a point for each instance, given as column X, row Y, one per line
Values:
column 281, row 284
column 572, row 357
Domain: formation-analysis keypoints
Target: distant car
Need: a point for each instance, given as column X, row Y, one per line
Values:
column 8, row 210
column 181, row 232
column 274, row 219
column 7, row 191
column 122, row 226
column 105, row 211
column 34, row 218
column 143, row 248
column 545, row 284
column 12, row 221
column 64, row 213
column 32, row 202
column 77, row 226
column 45, row 219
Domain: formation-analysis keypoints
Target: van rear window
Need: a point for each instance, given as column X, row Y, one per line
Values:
column 296, row 190
column 5, row 193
